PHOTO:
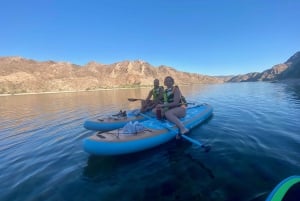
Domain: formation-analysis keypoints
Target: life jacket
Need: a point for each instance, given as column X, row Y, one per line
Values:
column 156, row 92
column 169, row 96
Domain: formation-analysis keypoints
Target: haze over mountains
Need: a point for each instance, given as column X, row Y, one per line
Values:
column 20, row 75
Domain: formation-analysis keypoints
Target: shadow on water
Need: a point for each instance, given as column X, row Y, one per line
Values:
column 105, row 165
column 202, row 165
column 182, row 179
column 167, row 172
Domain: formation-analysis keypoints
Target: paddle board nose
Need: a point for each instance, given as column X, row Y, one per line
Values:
column 287, row 190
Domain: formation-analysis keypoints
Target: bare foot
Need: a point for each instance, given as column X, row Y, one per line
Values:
column 184, row 131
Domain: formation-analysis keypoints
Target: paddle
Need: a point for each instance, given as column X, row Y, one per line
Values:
column 205, row 147
column 134, row 99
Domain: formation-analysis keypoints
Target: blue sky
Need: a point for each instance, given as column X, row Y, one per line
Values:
column 211, row 37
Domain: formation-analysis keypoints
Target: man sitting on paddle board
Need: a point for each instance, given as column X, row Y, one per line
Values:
column 157, row 95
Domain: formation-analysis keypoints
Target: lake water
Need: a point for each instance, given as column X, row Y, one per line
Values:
column 254, row 133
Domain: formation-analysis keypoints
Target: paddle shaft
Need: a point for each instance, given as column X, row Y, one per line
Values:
column 136, row 99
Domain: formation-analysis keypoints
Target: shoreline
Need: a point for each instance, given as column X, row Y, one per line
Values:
column 57, row 92
column 294, row 81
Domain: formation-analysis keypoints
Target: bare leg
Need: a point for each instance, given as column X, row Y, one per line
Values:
column 143, row 106
column 173, row 116
column 147, row 105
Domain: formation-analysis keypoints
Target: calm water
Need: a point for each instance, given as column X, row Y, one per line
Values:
column 254, row 134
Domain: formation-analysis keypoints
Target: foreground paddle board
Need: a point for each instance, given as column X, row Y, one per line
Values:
column 286, row 190
column 156, row 132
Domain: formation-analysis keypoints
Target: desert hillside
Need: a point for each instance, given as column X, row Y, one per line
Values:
column 287, row 70
column 20, row 75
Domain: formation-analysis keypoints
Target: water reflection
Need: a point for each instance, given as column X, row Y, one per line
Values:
column 293, row 88
column 162, row 173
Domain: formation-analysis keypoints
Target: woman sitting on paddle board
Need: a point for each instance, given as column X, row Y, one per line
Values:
column 174, row 106
column 157, row 94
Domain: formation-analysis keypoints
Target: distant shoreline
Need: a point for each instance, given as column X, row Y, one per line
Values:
column 57, row 92
column 294, row 81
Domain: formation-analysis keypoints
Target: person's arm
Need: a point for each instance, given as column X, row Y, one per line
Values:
column 149, row 95
column 160, row 95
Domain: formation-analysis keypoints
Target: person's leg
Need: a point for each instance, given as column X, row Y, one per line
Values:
column 146, row 105
column 173, row 116
column 150, row 105
column 143, row 106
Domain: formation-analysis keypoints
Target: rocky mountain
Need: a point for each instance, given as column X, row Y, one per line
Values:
column 293, row 67
column 287, row 70
column 20, row 75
